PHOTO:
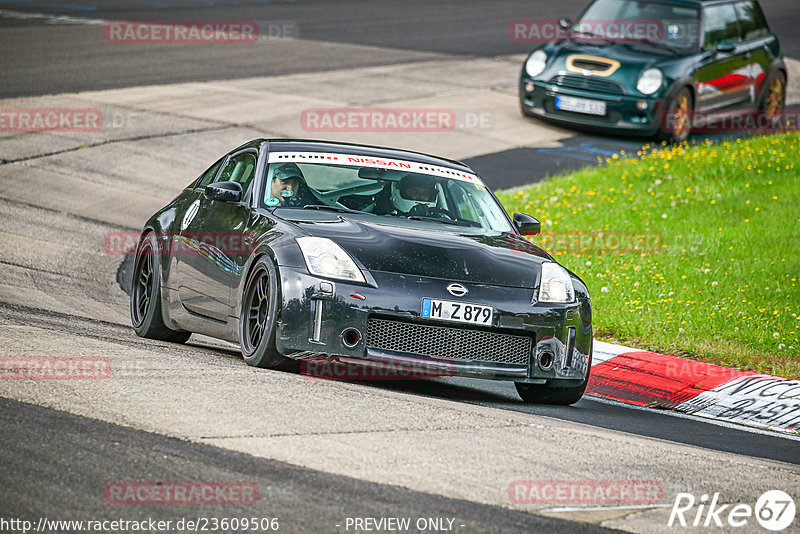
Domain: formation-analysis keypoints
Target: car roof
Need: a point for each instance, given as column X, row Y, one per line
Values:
column 309, row 145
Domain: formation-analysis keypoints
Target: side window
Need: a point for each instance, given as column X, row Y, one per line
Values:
column 753, row 22
column 721, row 25
column 209, row 175
column 240, row 168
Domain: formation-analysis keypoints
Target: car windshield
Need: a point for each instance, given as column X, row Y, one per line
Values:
column 384, row 188
column 641, row 21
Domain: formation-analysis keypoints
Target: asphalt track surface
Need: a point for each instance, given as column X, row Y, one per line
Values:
column 41, row 56
column 67, row 481
column 615, row 416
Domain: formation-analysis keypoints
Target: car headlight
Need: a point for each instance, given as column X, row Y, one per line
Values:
column 325, row 258
column 650, row 81
column 536, row 63
column 556, row 284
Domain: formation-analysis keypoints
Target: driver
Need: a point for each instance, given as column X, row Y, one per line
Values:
column 413, row 189
column 286, row 182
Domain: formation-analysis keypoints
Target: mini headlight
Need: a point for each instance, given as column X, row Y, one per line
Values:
column 556, row 284
column 325, row 258
column 536, row 63
column 650, row 81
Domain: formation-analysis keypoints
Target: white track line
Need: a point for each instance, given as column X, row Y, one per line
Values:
column 49, row 18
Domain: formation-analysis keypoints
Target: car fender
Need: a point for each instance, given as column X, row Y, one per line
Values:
column 687, row 82
column 281, row 248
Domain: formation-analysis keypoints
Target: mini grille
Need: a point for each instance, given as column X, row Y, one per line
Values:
column 587, row 83
column 445, row 342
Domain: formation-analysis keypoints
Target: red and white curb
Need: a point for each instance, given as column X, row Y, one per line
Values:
column 704, row 390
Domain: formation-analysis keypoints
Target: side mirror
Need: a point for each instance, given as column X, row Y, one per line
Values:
column 564, row 23
column 726, row 47
column 526, row 224
column 224, row 191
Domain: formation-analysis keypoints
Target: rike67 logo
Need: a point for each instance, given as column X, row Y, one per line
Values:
column 774, row 510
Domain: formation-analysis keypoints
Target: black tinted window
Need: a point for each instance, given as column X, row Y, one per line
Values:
column 209, row 175
column 720, row 25
column 752, row 20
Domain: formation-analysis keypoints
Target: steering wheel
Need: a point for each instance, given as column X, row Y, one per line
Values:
column 423, row 210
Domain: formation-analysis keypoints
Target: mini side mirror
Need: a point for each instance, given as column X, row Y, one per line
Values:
column 224, row 191
column 726, row 47
column 526, row 224
column 564, row 23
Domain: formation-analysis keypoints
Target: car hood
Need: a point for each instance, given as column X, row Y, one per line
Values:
column 633, row 60
column 505, row 259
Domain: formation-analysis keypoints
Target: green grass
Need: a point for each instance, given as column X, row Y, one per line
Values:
column 720, row 284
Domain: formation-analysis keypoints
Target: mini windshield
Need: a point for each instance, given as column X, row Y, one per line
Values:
column 641, row 21
column 415, row 192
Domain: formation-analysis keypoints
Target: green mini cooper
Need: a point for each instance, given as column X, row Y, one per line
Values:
column 652, row 67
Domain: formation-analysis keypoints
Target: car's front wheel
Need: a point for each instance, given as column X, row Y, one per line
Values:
column 774, row 99
column 259, row 318
column 549, row 394
column 146, row 316
column 677, row 120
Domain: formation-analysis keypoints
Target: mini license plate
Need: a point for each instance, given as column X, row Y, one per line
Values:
column 457, row 312
column 580, row 105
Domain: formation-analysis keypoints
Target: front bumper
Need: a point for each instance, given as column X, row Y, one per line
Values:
column 313, row 320
column 622, row 114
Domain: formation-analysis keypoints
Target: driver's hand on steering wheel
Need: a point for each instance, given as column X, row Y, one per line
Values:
column 423, row 210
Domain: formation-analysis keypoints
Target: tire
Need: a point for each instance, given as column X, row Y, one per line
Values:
column 773, row 101
column 146, row 316
column 259, row 317
column 546, row 394
column 681, row 106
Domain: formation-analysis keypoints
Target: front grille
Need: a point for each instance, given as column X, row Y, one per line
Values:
column 449, row 343
column 587, row 83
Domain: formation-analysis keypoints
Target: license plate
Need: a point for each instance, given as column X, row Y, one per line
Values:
column 456, row 312
column 580, row 105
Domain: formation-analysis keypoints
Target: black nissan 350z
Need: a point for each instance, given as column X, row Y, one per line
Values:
column 366, row 256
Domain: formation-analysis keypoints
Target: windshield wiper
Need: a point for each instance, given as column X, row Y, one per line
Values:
column 333, row 208
column 435, row 219
column 655, row 43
